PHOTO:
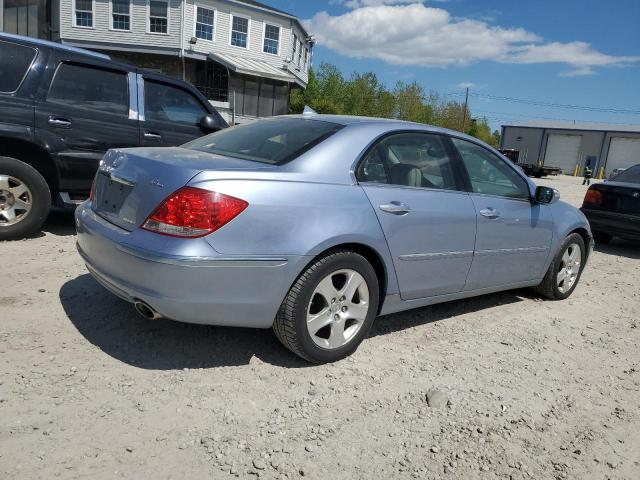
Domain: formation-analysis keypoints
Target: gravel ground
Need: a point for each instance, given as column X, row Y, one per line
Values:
column 502, row 386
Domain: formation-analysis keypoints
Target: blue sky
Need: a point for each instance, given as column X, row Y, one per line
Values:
column 579, row 52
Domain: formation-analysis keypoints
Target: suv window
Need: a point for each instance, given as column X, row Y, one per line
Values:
column 489, row 174
column 409, row 159
column 170, row 104
column 92, row 88
column 15, row 60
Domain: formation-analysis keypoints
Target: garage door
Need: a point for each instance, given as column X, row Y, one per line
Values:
column 562, row 151
column 623, row 153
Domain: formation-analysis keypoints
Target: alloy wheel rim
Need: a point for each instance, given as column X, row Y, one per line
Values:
column 338, row 308
column 16, row 200
column 569, row 268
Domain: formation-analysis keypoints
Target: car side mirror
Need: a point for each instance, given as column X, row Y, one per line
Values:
column 546, row 195
column 212, row 123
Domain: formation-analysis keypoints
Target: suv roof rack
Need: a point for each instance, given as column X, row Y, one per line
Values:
column 47, row 43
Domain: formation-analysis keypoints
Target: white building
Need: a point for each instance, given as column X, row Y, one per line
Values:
column 239, row 53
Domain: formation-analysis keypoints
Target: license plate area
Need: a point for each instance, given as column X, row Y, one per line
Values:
column 111, row 193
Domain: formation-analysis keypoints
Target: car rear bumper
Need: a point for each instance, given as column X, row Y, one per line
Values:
column 216, row 290
column 613, row 223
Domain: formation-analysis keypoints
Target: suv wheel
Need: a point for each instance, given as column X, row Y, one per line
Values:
column 25, row 199
column 330, row 309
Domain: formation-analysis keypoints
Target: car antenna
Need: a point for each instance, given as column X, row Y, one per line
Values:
column 309, row 111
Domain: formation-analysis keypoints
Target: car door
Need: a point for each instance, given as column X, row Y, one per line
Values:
column 171, row 114
column 414, row 186
column 514, row 234
column 87, row 109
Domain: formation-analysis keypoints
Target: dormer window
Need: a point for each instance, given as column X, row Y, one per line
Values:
column 239, row 31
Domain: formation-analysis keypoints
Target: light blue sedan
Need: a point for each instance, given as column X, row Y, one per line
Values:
column 315, row 225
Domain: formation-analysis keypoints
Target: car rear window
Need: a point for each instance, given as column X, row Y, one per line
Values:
column 15, row 60
column 630, row 175
column 273, row 141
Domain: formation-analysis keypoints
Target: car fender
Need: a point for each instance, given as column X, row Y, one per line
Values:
column 292, row 218
column 566, row 219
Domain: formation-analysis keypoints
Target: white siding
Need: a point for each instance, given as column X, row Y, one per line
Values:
column 139, row 39
column 221, row 41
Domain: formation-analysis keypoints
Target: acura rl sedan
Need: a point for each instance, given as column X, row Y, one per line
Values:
column 315, row 225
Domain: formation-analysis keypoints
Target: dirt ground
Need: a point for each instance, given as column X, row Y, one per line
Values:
column 517, row 387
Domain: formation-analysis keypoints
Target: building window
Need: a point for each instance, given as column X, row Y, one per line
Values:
column 204, row 23
column 158, row 16
column 271, row 39
column 299, row 52
column 84, row 13
column 306, row 57
column 120, row 15
column 239, row 31
column 295, row 47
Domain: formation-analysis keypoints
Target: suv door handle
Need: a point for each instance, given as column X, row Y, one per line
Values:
column 395, row 207
column 152, row 136
column 59, row 122
column 489, row 212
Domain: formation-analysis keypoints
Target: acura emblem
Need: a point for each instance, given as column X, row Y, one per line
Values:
column 636, row 194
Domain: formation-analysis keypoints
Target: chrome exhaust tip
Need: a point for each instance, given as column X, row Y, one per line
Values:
column 146, row 311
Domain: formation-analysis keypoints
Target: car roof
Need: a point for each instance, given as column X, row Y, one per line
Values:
column 391, row 123
column 37, row 42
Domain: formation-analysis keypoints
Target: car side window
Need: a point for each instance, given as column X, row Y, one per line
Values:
column 15, row 60
column 409, row 159
column 92, row 88
column 165, row 103
column 489, row 174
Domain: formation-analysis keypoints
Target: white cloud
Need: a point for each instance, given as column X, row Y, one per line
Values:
column 465, row 85
column 414, row 34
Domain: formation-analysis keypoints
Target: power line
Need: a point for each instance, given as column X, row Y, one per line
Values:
column 551, row 104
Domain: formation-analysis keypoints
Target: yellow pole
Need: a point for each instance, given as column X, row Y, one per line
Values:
column 575, row 170
column 601, row 176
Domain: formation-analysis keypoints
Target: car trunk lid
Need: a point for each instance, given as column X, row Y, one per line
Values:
column 618, row 197
column 131, row 183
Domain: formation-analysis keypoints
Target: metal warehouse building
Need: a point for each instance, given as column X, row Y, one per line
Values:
column 571, row 146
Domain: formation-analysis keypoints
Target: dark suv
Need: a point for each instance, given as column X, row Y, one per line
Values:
column 62, row 108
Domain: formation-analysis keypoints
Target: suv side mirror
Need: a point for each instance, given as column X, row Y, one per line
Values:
column 546, row 195
column 212, row 123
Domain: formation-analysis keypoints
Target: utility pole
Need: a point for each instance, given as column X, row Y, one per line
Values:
column 464, row 114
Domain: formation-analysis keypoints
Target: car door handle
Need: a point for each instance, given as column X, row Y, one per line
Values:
column 153, row 136
column 59, row 122
column 397, row 208
column 489, row 212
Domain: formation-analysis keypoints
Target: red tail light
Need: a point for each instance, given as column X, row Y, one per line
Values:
column 193, row 212
column 593, row 197
column 92, row 195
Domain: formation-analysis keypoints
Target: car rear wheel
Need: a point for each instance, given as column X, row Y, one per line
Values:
column 564, row 272
column 25, row 199
column 330, row 308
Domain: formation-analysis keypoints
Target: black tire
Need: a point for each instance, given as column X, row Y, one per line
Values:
column 290, row 325
column 602, row 237
column 40, row 199
column 549, row 286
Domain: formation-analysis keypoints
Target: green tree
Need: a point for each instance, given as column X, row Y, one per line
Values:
column 363, row 94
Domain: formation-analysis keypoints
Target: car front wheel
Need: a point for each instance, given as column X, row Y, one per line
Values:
column 564, row 272
column 330, row 308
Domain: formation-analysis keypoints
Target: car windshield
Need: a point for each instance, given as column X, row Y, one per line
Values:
column 273, row 141
column 630, row 175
